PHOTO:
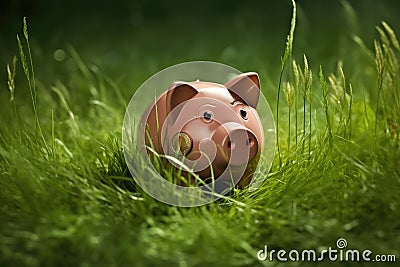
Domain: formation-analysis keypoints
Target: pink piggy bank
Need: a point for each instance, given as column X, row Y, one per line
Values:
column 211, row 129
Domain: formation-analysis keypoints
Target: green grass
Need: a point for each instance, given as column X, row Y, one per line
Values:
column 67, row 198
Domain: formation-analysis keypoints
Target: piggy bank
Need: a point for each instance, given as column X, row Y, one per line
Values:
column 207, row 130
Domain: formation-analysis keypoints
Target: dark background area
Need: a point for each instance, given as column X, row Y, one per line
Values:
column 120, row 36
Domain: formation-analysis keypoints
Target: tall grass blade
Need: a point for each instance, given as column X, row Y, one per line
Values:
column 325, row 102
column 30, row 76
column 287, row 55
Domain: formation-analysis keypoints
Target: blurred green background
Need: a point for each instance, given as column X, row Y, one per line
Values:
column 131, row 40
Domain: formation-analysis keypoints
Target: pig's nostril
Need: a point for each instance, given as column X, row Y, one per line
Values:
column 231, row 145
column 250, row 142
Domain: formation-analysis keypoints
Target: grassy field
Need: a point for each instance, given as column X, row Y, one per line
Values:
column 66, row 195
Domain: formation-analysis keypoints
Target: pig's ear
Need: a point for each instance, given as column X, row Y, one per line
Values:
column 178, row 93
column 246, row 87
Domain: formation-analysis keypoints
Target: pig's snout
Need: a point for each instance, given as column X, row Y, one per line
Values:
column 239, row 143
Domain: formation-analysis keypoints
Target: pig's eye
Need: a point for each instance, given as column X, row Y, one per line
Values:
column 243, row 113
column 207, row 116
